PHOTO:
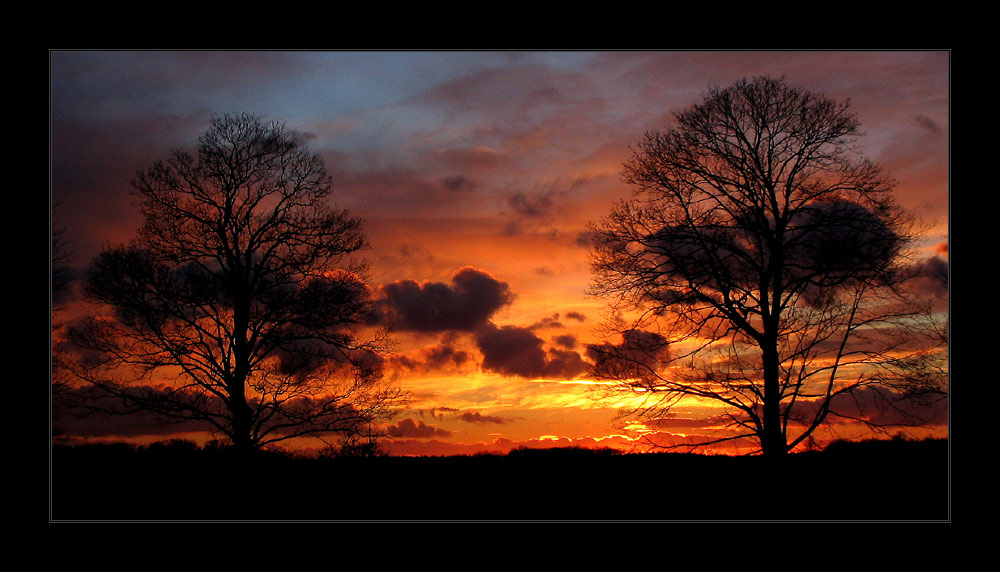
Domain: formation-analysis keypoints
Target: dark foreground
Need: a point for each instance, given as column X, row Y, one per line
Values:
column 875, row 480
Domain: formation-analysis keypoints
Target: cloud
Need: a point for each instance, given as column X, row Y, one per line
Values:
column 932, row 276
column 480, row 419
column 547, row 322
column 408, row 428
column 638, row 353
column 511, row 350
column 547, row 202
column 567, row 341
column 663, row 423
column 533, row 214
column 502, row 445
column 442, row 357
column 458, row 183
column 927, row 123
column 518, row 352
column 379, row 188
column 883, row 407
column 683, row 441
column 479, row 158
column 584, row 239
column 468, row 302
column 437, row 412
column 543, row 271
column 564, row 364
column 531, row 206
column 89, row 412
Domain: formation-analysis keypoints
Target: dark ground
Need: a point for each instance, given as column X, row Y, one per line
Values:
column 869, row 481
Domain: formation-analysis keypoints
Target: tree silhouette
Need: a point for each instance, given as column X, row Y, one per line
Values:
column 239, row 303
column 761, row 264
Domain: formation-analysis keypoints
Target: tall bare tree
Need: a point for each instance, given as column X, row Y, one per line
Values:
column 240, row 303
column 762, row 263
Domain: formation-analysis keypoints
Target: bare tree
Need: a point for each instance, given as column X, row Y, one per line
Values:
column 239, row 303
column 761, row 264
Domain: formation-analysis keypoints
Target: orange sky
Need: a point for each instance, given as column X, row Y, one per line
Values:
column 476, row 166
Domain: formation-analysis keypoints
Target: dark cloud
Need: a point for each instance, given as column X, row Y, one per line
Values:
column 576, row 316
column 547, row 322
column 438, row 357
column 511, row 350
column 929, row 279
column 501, row 445
column 513, row 228
column 687, row 440
column 567, row 341
column 545, row 201
column 377, row 191
column 408, row 428
column 468, row 302
column 927, row 123
column 537, row 212
column 584, row 239
column 479, row 158
column 458, row 183
column 88, row 412
column 443, row 357
column 518, row 352
column 663, row 423
column 637, row 354
column 564, row 364
column 881, row 407
column 932, row 276
column 480, row 419
column 415, row 252
column 437, row 412
column 531, row 206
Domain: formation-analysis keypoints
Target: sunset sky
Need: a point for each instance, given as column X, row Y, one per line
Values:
column 476, row 174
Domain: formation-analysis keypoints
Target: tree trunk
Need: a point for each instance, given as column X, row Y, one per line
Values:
column 772, row 441
column 241, row 421
column 242, row 433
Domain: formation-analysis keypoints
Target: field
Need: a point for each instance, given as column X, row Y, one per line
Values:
column 869, row 481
